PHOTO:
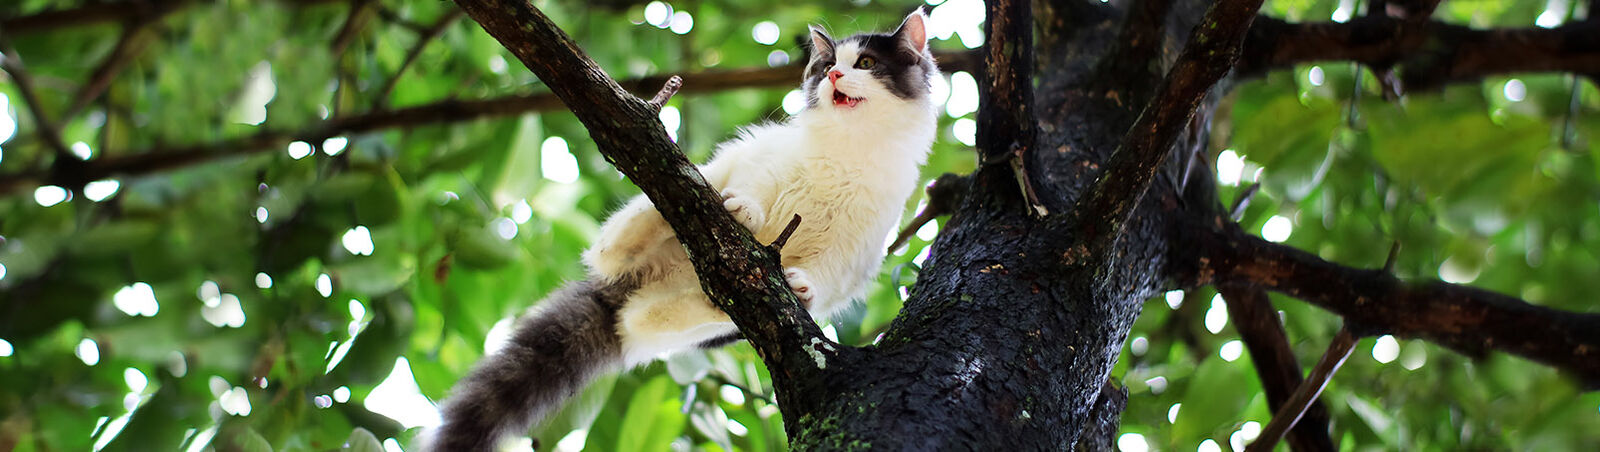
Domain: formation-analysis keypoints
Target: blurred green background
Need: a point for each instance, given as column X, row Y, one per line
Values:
column 324, row 294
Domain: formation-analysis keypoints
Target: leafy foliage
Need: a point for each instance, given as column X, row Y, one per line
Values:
column 286, row 301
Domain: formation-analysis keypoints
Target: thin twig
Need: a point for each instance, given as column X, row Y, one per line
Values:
column 1018, row 168
column 144, row 161
column 1394, row 254
column 1197, row 153
column 724, row 380
column 1251, row 313
column 360, row 13
column 783, row 237
column 1243, row 201
column 926, row 215
column 1289, row 414
column 1569, row 123
column 668, row 89
column 944, row 195
column 134, row 40
column 46, row 129
column 424, row 37
column 388, row 14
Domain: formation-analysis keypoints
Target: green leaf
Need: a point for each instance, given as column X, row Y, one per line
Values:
column 654, row 418
column 362, row 440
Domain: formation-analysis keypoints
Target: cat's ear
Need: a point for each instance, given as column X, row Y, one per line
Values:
column 913, row 33
column 821, row 43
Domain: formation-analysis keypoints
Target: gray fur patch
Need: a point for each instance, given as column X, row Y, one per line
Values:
column 556, row 350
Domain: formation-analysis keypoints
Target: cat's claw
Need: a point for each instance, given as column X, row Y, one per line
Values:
column 800, row 284
column 744, row 209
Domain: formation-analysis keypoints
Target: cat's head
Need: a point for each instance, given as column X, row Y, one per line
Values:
column 870, row 71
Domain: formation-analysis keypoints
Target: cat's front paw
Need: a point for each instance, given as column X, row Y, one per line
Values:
column 800, row 284
column 744, row 209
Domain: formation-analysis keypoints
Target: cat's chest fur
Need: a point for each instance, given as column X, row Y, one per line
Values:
column 847, row 192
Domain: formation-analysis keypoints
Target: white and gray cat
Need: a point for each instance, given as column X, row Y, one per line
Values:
column 846, row 164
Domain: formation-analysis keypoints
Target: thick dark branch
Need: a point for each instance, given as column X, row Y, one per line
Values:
column 1005, row 122
column 1463, row 318
column 1100, row 430
column 1289, row 415
column 125, row 163
column 1429, row 54
column 95, row 13
column 1252, row 315
column 742, row 277
column 1208, row 56
column 1134, row 65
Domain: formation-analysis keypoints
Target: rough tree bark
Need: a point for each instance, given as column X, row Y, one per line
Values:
column 1087, row 202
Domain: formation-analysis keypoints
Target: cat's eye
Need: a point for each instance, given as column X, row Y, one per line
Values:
column 866, row 62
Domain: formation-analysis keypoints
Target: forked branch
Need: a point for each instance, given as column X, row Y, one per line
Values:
column 1252, row 315
column 1208, row 56
column 1005, row 122
column 1288, row 415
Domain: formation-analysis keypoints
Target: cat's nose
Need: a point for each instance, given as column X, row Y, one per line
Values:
column 833, row 76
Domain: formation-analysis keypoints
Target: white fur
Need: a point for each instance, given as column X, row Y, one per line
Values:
column 846, row 170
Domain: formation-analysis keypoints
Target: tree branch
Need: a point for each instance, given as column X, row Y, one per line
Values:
column 135, row 38
column 1005, row 122
column 361, row 12
column 1209, row 55
column 1258, row 325
column 1288, row 415
column 1462, row 318
column 424, row 37
column 1100, row 430
column 741, row 276
column 44, row 127
column 140, row 162
column 95, row 13
column 1430, row 54
column 1138, row 49
column 944, row 196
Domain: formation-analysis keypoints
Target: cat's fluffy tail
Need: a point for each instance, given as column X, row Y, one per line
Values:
column 556, row 350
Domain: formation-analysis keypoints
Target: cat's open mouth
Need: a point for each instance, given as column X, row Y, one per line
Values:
column 840, row 99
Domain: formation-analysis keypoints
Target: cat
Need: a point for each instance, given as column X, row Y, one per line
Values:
column 846, row 163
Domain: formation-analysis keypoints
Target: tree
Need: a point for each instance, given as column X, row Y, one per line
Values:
column 320, row 213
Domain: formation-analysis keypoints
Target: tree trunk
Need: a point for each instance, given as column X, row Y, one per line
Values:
column 1013, row 327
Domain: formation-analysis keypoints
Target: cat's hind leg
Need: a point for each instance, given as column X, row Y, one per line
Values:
column 627, row 241
column 656, row 321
